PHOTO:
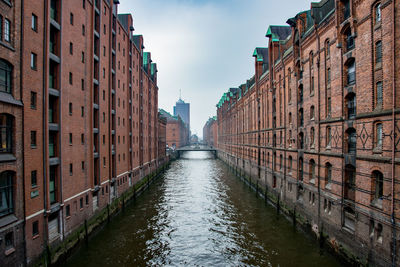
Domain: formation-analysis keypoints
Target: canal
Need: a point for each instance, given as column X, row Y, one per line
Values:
column 200, row 214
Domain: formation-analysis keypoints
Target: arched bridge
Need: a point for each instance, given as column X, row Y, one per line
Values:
column 196, row 148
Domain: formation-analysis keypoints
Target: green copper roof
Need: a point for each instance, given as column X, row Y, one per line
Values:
column 153, row 68
column 146, row 58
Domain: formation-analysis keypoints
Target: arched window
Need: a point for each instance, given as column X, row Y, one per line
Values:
column 300, row 168
column 351, row 71
column 378, row 13
column 311, row 59
column 312, row 136
column 327, row 49
column 6, row 193
column 351, row 105
column 328, row 173
column 377, row 177
column 312, row 170
column 301, row 140
column 301, row 117
column 300, row 93
column 350, row 182
column 351, row 140
column 5, row 76
column 6, row 127
column 290, row 165
column 348, row 39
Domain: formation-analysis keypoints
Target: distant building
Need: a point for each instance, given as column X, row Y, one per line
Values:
column 210, row 132
column 182, row 109
column 177, row 132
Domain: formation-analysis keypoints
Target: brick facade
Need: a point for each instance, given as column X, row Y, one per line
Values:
column 318, row 124
column 89, row 127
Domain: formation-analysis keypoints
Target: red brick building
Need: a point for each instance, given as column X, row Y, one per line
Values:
column 318, row 124
column 210, row 132
column 11, row 143
column 177, row 132
column 162, row 139
column 90, row 118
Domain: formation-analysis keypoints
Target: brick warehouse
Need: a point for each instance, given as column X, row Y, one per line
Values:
column 77, row 82
column 177, row 131
column 210, row 132
column 318, row 124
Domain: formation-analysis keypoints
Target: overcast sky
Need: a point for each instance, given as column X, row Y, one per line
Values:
column 204, row 47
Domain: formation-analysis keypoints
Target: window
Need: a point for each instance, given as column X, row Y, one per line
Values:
column 349, row 182
column 378, row 13
column 70, row 78
column 71, row 19
column 33, row 61
column 351, row 106
column 346, row 9
column 83, row 165
column 53, row 185
column 349, row 39
column 328, row 76
column 379, row 135
column 5, row 76
column 328, row 173
column 87, row 199
column 83, row 85
column 83, row 57
column 378, row 184
column 290, row 165
column 312, row 85
column 6, row 193
column 1, row 28
column 328, row 136
column 67, row 211
column 33, row 100
column 71, row 48
column 83, row 4
column 81, row 203
column 9, row 240
column 83, row 30
column 312, row 136
column 351, row 140
column 378, row 52
column 7, row 25
column 327, row 49
column 300, row 168
column 33, row 178
column 71, row 169
column 33, row 139
column 312, row 113
column 70, row 138
column 35, row 228
column 301, row 118
column 379, row 94
column 351, row 72
column 82, row 111
column 6, row 127
column 290, row 117
column 312, row 170
column 34, row 22
column 70, row 108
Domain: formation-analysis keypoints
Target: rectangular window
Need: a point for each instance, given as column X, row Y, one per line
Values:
column 83, row 57
column 1, row 28
column 378, row 52
column 33, row 61
column 71, row 19
column 7, row 26
column 83, row 165
column 33, row 100
column 82, row 139
column 71, row 169
column 70, row 78
column 68, row 211
column 71, row 48
column 379, row 94
column 379, row 134
column 70, row 138
column 33, row 178
column 34, row 22
column 82, row 111
column 83, row 84
column 83, row 4
column 83, row 30
column 81, row 203
column 35, row 228
column 33, row 139
column 328, row 76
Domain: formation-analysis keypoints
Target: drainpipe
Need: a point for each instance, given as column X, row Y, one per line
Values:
column 394, row 128
column 23, row 127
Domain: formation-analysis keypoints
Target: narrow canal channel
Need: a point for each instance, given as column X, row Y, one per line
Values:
column 200, row 214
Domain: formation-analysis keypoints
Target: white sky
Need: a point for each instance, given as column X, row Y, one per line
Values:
column 204, row 47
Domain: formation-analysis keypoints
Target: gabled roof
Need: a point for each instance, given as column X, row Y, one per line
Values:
column 278, row 32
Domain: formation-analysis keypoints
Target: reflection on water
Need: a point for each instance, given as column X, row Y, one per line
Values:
column 200, row 214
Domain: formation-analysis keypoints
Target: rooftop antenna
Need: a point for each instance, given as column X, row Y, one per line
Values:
column 180, row 94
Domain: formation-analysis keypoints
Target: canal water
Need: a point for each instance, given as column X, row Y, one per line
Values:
column 200, row 214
